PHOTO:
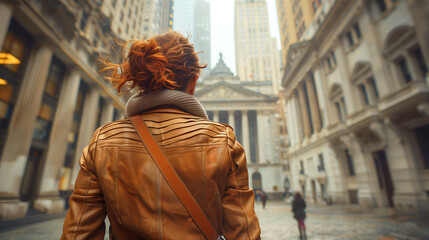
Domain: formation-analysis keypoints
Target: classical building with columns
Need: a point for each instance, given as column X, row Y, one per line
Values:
column 52, row 98
column 250, row 108
column 357, row 106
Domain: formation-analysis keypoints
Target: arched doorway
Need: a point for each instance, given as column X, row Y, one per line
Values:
column 256, row 181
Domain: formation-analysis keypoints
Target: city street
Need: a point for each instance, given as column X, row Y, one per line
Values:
column 334, row 222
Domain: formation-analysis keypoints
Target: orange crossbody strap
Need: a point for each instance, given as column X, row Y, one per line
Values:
column 174, row 180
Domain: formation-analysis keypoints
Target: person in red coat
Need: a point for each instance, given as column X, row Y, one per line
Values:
column 298, row 209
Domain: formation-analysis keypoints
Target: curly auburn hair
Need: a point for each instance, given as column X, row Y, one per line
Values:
column 164, row 61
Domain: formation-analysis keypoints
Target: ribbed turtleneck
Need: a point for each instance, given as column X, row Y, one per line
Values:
column 140, row 103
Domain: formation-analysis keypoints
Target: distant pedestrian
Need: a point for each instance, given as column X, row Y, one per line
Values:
column 298, row 206
column 263, row 199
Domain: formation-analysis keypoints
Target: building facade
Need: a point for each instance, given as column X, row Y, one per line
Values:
column 294, row 18
column 136, row 19
column 52, row 98
column 357, row 106
column 126, row 16
column 201, row 33
column 253, row 117
column 184, row 16
column 256, row 54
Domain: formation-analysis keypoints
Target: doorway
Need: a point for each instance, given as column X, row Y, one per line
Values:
column 29, row 181
column 383, row 174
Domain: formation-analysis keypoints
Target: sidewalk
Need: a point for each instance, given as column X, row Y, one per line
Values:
column 277, row 223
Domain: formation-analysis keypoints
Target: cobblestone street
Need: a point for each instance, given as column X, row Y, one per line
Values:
column 276, row 220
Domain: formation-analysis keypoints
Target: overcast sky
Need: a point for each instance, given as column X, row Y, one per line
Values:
column 222, row 29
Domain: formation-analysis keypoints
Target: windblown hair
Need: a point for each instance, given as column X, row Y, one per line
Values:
column 164, row 61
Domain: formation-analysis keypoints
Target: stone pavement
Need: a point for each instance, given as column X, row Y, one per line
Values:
column 331, row 222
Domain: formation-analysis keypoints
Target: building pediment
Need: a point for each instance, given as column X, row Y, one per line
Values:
column 224, row 91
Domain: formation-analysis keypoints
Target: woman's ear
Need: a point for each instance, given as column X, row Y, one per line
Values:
column 191, row 86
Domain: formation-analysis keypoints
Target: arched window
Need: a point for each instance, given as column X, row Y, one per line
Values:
column 365, row 83
column 402, row 50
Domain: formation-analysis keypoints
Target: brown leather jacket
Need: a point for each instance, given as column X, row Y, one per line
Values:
column 118, row 177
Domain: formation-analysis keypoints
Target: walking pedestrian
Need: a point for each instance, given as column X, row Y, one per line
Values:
column 298, row 209
column 263, row 199
column 120, row 173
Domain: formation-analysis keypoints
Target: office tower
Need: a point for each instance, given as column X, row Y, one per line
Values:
column 201, row 33
column 294, row 17
column 257, row 58
column 183, row 16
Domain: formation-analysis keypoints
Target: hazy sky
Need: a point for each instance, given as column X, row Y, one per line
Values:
column 222, row 29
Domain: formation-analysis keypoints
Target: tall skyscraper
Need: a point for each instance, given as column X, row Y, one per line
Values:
column 184, row 16
column 294, row 18
column 127, row 19
column 134, row 19
column 201, row 33
column 257, row 58
column 166, row 16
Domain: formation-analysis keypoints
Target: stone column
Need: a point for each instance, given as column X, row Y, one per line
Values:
column 56, row 152
column 6, row 10
column 304, row 112
column 314, row 105
column 20, row 133
column 107, row 114
column 60, row 129
column 231, row 119
column 296, row 110
column 88, row 121
column 260, row 123
column 245, row 133
column 215, row 116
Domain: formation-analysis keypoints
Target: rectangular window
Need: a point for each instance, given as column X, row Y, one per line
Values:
column 333, row 58
column 321, row 163
column 381, row 5
column 421, row 61
column 114, row 3
column 339, row 111
column 350, row 38
column 301, row 170
column 357, row 30
column 364, row 93
column 328, row 60
column 350, row 164
column 403, row 66
column 373, row 84
column 343, row 101
column 422, row 134
column 83, row 20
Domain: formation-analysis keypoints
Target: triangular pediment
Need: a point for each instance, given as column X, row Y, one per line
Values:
column 297, row 50
column 224, row 91
column 360, row 69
